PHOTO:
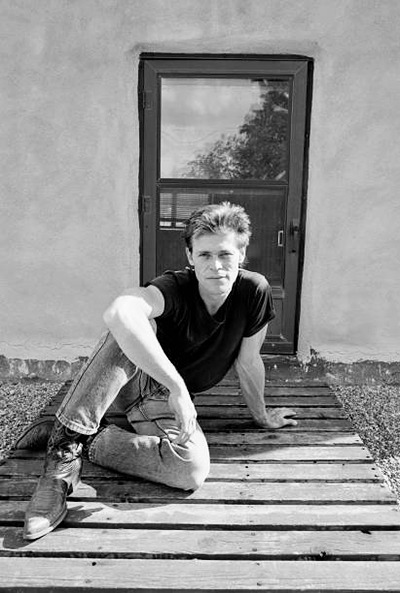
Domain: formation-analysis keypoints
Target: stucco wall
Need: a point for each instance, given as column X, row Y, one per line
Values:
column 69, row 233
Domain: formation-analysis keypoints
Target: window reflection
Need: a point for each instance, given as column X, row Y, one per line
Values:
column 176, row 207
column 224, row 128
column 266, row 208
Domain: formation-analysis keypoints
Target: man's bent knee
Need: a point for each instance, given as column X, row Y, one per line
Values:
column 191, row 470
column 191, row 478
column 196, row 477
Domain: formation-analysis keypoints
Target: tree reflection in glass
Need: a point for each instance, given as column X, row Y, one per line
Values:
column 224, row 128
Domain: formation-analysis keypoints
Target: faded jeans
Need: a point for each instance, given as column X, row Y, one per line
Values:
column 149, row 452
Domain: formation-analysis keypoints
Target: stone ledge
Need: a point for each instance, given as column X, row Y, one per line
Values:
column 279, row 368
column 363, row 372
column 48, row 370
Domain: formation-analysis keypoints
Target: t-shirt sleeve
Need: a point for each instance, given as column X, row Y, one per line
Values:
column 168, row 286
column 260, row 306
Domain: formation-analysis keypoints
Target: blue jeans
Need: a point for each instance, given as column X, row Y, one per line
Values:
column 110, row 378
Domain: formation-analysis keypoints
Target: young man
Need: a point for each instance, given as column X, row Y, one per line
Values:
column 176, row 337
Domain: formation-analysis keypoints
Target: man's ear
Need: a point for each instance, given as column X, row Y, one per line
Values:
column 242, row 256
column 189, row 256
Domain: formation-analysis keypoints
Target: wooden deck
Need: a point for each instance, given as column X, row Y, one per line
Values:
column 301, row 509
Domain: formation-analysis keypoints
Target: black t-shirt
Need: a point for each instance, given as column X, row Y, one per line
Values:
column 203, row 347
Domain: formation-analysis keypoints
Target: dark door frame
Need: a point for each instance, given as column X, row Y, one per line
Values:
column 300, row 69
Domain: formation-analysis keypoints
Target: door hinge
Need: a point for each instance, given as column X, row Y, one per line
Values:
column 295, row 233
column 145, row 205
column 146, row 99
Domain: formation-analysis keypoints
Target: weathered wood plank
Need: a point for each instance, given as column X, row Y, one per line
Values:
column 197, row 575
column 234, row 403
column 297, row 389
column 228, row 471
column 276, row 388
column 268, row 452
column 133, row 490
column 174, row 515
column 290, row 453
column 241, row 411
column 294, row 400
column 297, row 384
column 257, row 437
column 291, row 472
column 275, row 394
column 256, row 492
column 206, row 544
column 340, row 425
column 273, row 453
column 235, row 399
column 232, row 388
column 221, row 424
column 278, row 437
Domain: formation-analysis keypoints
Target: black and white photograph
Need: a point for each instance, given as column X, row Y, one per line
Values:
column 199, row 285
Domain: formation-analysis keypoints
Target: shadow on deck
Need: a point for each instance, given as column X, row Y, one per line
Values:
column 303, row 508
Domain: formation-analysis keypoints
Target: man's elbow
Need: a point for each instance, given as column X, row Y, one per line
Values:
column 118, row 312
column 126, row 310
column 111, row 314
column 247, row 365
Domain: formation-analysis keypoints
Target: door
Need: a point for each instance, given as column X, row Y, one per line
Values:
column 227, row 128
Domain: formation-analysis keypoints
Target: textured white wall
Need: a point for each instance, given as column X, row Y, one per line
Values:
column 69, row 234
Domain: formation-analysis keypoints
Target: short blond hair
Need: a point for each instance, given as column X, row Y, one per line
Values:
column 218, row 217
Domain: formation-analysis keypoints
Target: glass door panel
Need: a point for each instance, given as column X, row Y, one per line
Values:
column 218, row 128
column 266, row 208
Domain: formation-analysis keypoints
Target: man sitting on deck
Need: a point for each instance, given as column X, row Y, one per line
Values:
column 173, row 338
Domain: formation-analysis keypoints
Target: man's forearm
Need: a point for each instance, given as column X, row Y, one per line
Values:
column 252, row 381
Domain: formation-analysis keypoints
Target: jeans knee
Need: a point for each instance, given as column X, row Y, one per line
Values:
column 191, row 470
column 195, row 477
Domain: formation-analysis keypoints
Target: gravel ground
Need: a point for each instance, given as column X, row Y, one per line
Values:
column 373, row 410
column 20, row 403
column 375, row 413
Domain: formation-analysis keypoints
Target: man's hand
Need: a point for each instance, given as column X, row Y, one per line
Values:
column 185, row 414
column 277, row 418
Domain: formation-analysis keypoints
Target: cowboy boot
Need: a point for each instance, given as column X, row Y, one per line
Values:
column 36, row 435
column 61, row 474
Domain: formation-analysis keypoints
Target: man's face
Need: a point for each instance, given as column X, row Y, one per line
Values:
column 216, row 259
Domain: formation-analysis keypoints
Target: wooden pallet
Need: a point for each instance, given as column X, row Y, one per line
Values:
column 300, row 509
